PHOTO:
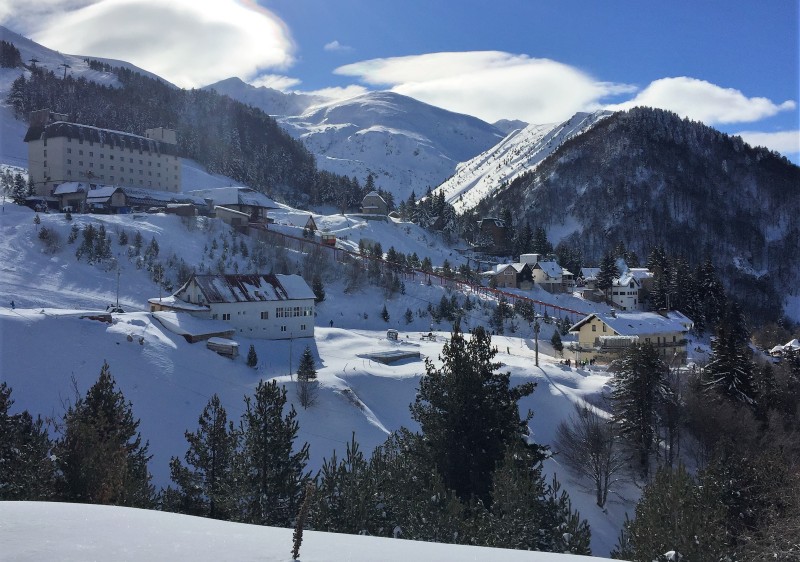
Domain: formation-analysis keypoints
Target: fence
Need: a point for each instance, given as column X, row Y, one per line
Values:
column 304, row 245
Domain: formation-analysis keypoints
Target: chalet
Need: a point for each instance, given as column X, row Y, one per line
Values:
column 256, row 306
column 606, row 336
column 626, row 290
column 374, row 204
column 511, row 276
column 242, row 199
column 788, row 348
column 548, row 274
column 492, row 235
column 91, row 197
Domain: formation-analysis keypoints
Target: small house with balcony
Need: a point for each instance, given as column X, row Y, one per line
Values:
column 511, row 276
column 548, row 274
column 605, row 336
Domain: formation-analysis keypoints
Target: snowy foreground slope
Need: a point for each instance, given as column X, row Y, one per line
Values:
column 32, row 531
column 45, row 345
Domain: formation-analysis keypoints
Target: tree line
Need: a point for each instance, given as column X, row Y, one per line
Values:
column 471, row 475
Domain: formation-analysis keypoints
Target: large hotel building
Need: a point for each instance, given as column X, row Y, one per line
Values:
column 59, row 151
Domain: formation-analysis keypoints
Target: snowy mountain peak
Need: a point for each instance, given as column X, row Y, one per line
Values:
column 33, row 53
column 519, row 152
column 270, row 101
column 407, row 144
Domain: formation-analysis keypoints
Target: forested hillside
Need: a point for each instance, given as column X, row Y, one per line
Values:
column 226, row 136
column 648, row 178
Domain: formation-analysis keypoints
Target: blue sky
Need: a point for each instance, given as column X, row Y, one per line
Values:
column 732, row 65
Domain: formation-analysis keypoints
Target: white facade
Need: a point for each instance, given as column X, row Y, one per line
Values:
column 256, row 306
column 60, row 152
column 625, row 292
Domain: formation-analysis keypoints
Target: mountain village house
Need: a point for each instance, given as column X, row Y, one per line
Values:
column 246, row 202
column 492, row 235
column 374, row 204
column 606, row 336
column 532, row 270
column 511, row 276
column 256, row 306
column 60, row 151
column 626, row 290
column 548, row 274
column 86, row 197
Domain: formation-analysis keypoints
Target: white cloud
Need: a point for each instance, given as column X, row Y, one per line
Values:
column 704, row 101
column 491, row 85
column 339, row 93
column 275, row 81
column 337, row 47
column 188, row 42
column 786, row 142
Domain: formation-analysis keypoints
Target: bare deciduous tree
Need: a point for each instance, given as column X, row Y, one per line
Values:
column 588, row 446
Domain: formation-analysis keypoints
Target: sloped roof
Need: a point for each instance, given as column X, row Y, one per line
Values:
column 185, row 324
column 551, row 268
column 71, row 187
column 236, row 195
column 98, row 135
column 636, row 323
column 251, row 288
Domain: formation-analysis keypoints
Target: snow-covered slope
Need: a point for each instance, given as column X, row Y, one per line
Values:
column 519, row 152
column 55, row 61
column 270, row 101
column 34, row 531
column 44, row 344
column 408, row 145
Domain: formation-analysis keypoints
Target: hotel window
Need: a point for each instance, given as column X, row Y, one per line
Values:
column 226, row 316
column 302, row 326
column 45, row 154
column 69, row 151
column 265, row 315
column 283, row 328
column 69, row 161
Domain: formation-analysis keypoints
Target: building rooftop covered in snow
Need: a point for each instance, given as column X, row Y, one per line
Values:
column 60, row 151
column 259, row 306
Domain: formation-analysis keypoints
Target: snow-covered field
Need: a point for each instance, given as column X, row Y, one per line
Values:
column 31, row 532
column 45, row 345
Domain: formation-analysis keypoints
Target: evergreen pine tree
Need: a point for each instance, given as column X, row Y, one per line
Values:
column 318, row 288
column 556, row 342
column 674, row 515
column 271, row 475
column 100, row 454
column 345, row 501
column 26, row 469
column 639, row 387
column 385, row 314
column 205, row 484
column 252, row 357
column 608, row 272
column 468, row 413
column 730, row 369
column 306, row 379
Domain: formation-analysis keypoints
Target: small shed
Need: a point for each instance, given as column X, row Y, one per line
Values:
column 223, row 346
